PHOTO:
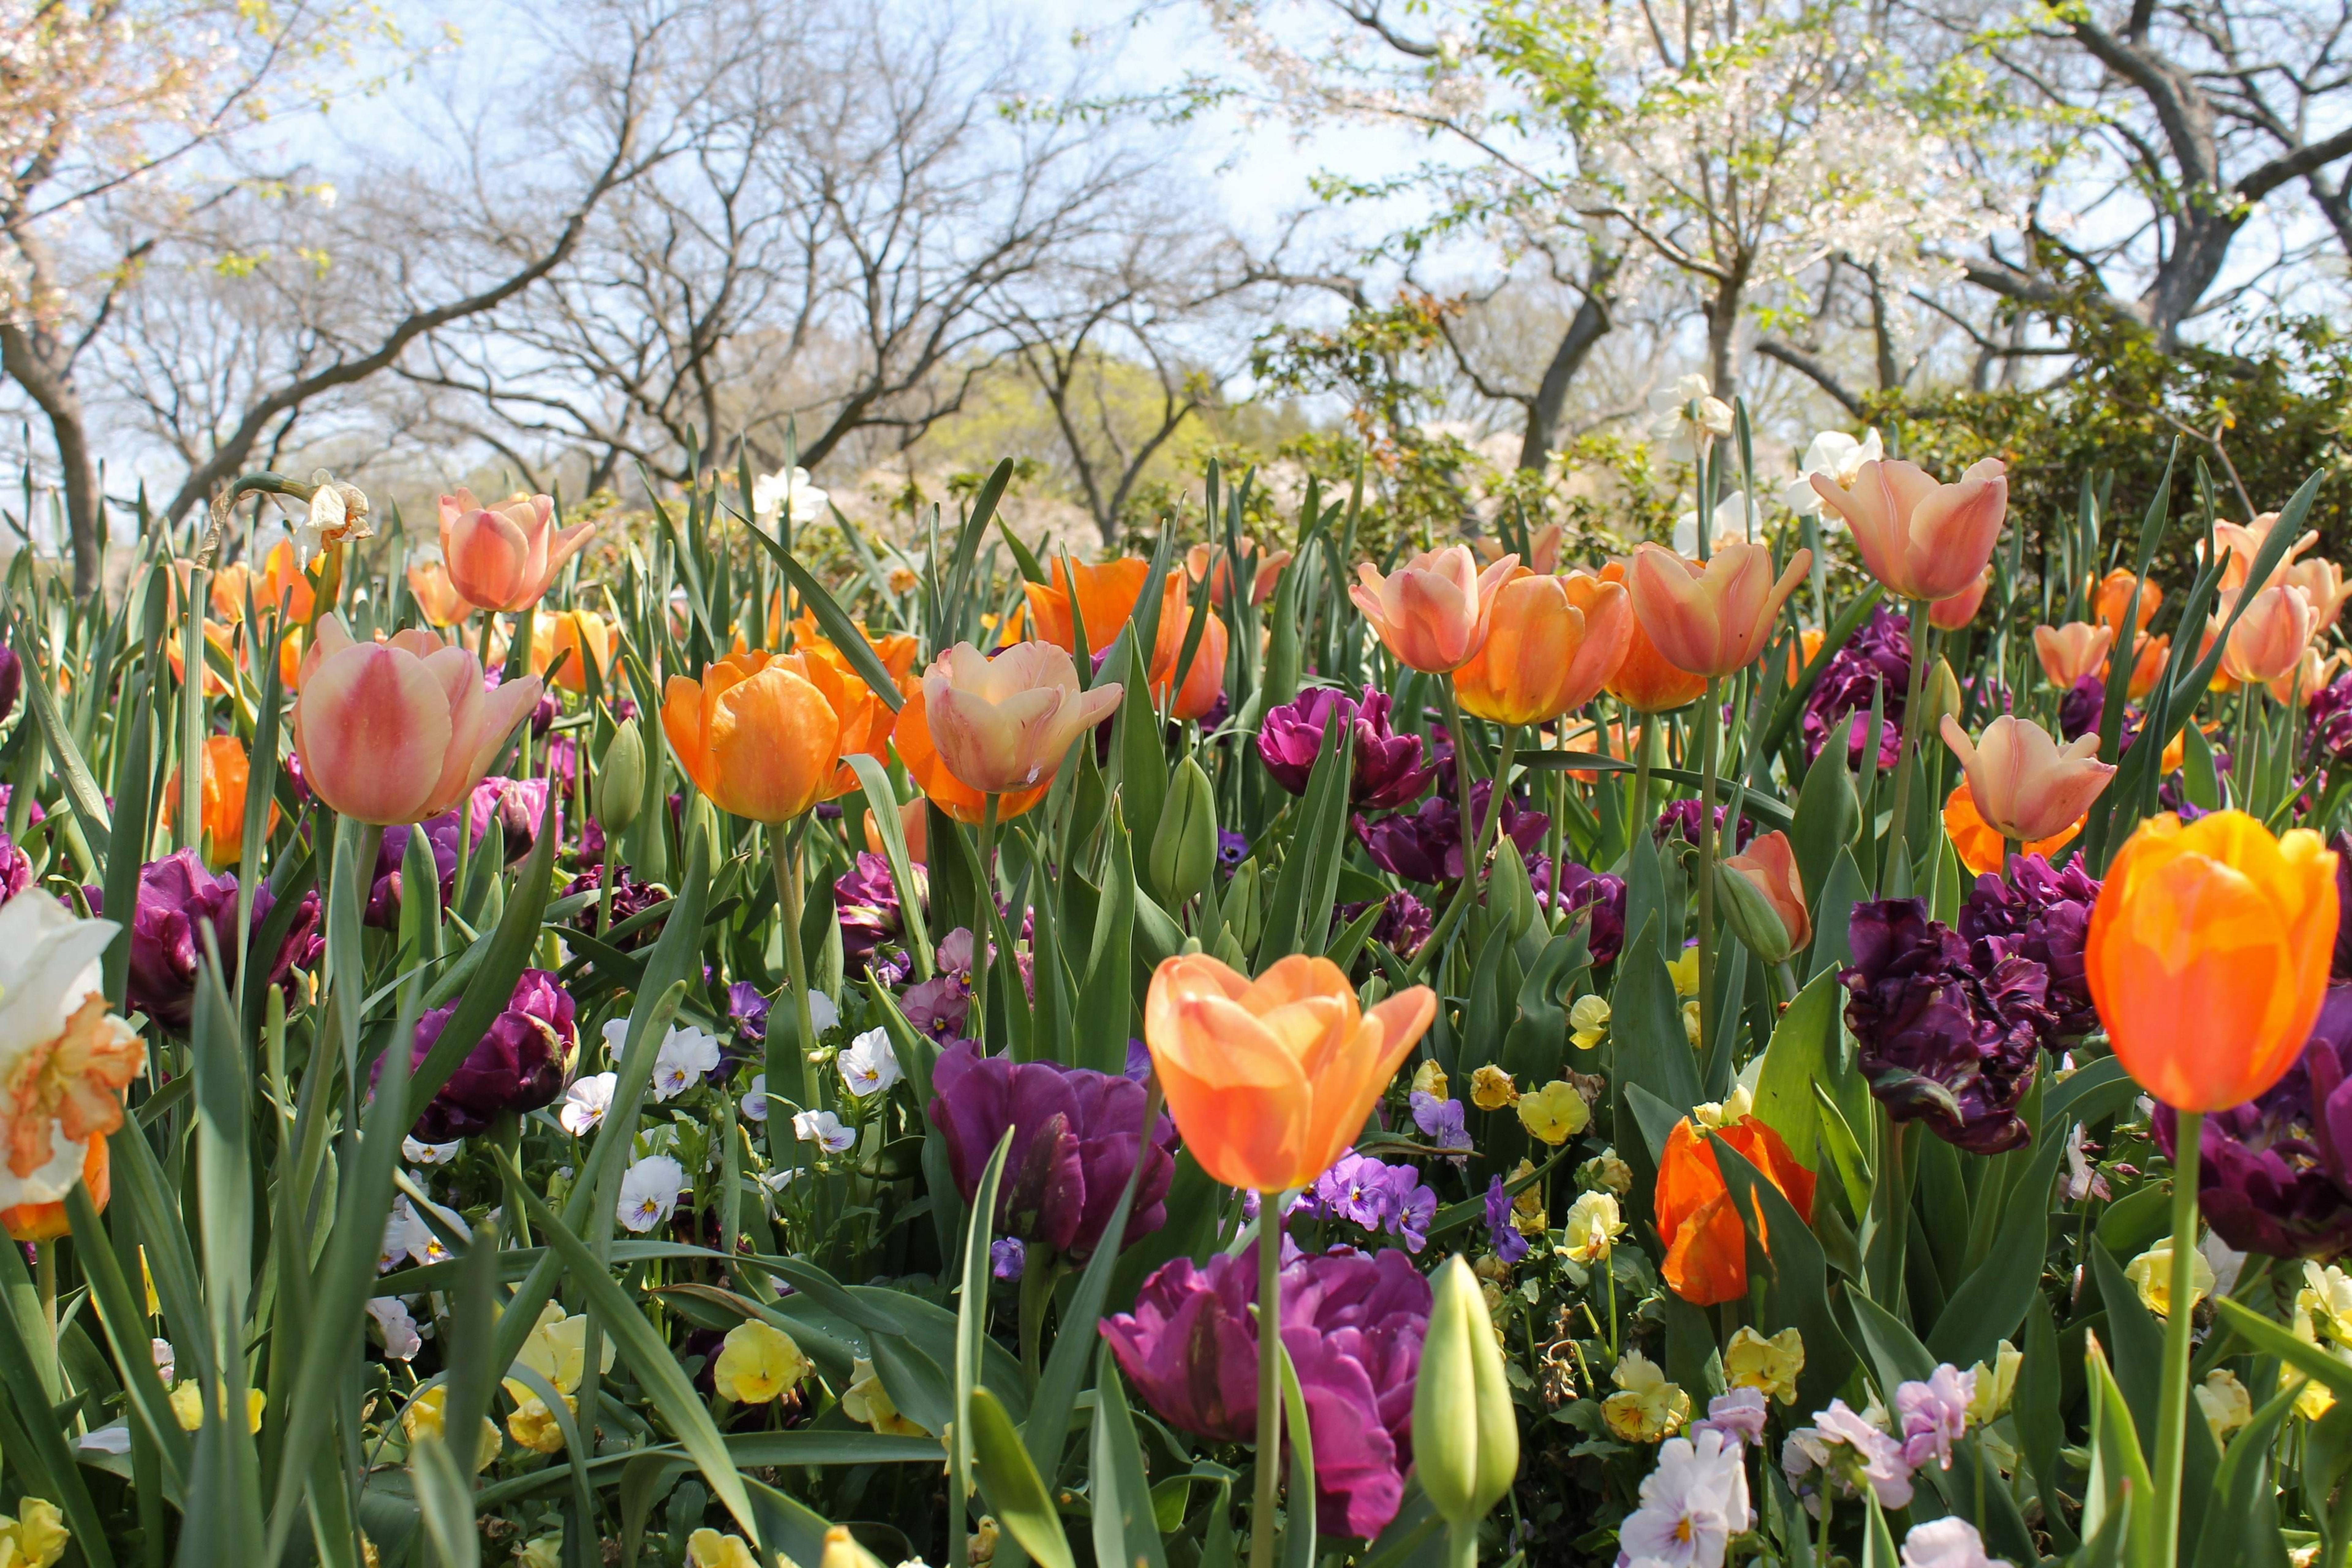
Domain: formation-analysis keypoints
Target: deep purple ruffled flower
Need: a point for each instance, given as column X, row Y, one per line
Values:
column 1077, row 1134
column 176, row 895
column 1425, row 845
column 2044, row 915
column 1582, row 888
column 384, row 894
column 1353, row 1326
column 15, row 868
column 1508, row 1244
column 519, row 1065
column 1388, row 769
column 2340, row 966
column 2276, row 1175
column 1682, row 816
column 1405, row 924
column 12, row 679
column 1877, row 657
column 1942, row 1039
column 630, row 898
column 867, row 900
column 2330, row 717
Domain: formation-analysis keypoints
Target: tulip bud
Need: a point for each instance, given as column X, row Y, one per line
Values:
column 1243, row 917
column 1184, row 847
column 1764, row 900
column 1465, row 1437
column 1941, row 695
column 621, row 778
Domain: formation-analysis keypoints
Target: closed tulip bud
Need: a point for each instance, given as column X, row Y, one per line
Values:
column 1184, row 848
column 503, row 557
column 1764, row 897
column 1239, row 905
column 1465, row 1434
column 621, row 778
column 2270, row 637
column 1939, row 695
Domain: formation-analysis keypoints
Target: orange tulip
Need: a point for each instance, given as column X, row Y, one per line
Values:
column 504, row 557
column 1979, row 845
column 2024, row 784
column 914, row 822
column 2270, row 637
column 584, row 634
column 1550, row 644
column 1588, row 738
column 1004, row 724
column 1106, row 596
column 221, row 790
column 399, row 730
column 437, row 598
column 2113, row 598
column 2147, row 665
column 229, row 584
column 895, row 651
column 1712, row 619
column 283, row 581
column 48, row 1222
column 912, row 737
column 1211, row 563
column 1204, row 677
column 1809, row 644
column 1950, row 615
column 1645, row 681
column 1769, row 865
column 1430, row 612
column 762, row 735
column 215, row 634
column 1543, row 549
column 2207, row 954
column 2242, row 541
column 289, row 659
column 1270, row 1080
column 1706, row 1245
column 1923, row 539
column 2323, row 584
column 2072, row 651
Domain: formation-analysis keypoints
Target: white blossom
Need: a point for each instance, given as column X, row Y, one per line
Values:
column 422, row 1153
column 825, row 1129
column 398, row 1326
column 686, row 1054
column 1838, row 458
column 754, row 1103
column 649, row 1191
column 789, row 491
column 585, row 1103
column 869, row 1066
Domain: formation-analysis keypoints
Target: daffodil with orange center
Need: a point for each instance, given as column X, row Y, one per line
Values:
column 1270, row 1080
column 763, row 736
column 65, row 1060
column 1105, row 597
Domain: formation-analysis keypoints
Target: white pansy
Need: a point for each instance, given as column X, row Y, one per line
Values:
column 649, row 1191
column 790, row 492
column 421, row 1153
column 167, row 1360
column 616, row 1036
column 869, row 1066
column 686, row 1054
column 825, row 1129
column 754, row 1105
column 1948, row 1542
column 1836, row 457
column 585, row 1103
column 822, row 1014
column 111, row 1438
column 1693, row 1503
column 398, row 1326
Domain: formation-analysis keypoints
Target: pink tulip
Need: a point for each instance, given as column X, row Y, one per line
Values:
column 2024, row 784
column 1950, row 615
column 2270, row 637
column 399, row 730
column 1923, row 539
column 1714, row 619
column 1431, row 611
column 1004, row 724
column 2072, row 651
column 503, row 557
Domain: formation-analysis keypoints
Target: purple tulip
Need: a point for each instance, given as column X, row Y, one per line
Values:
column 517, row 804
column 392, row 856
column 1682, row 816
column 1584, row 888
column 1877, row 659
column 12, row 679
column 1389, row 769
column 867, row 900
column 16, row 869
column 1353, row 1326
column 2340, row 966
column 1942, row 1039
column 1405, row 924
column 2276, row 1175
column 519, row 1065
column 2044, row 915
column 2330, row 716
column 1425, row 846
column 1077, row 1135
column 176, row 895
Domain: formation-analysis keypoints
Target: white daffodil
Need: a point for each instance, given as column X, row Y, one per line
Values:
column 64, row 1057
column 338, row 513
column 789, row 491
column 1735, row 518
column 1837, row 456
column 869, row 1066
column 1680, row 413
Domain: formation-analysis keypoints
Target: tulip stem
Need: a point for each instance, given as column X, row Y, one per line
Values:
column 1462, row 1543
column 1907, row 761
column 2172, row 1399
column 1269, row 1361
column 1640, row 820
column 785, row 840
column 1710, row 722
column 983, row 906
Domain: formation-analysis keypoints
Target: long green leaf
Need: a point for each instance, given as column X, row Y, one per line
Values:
column 1016, row 1494
column 1126, row 1531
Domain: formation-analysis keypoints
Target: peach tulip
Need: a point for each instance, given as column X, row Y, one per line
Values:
column 2072, row 651
column 914, row 824
column 583, row 634
column 229, row 585
column 2323, row 584
column 2207, row 954
column 2311, row 674
column 399, row 730
column 2270, row 637
column 1543, row 549
column 1551, row 642
column 2024, row 784
column 504, row 557
column 1769, row 865
column 1270, row 1080
column 1430, row 612
column 1979, row 847
column 1950, row 615
column 1213, row 563
column 1005, row 723
column 764, row 735
column 217, row 636
column 1204, row 677
column 1713, row 619
column 2147, row 665
column 2113, row 598
column 2242, row 542
column 1923, row 539
column 437, row 598
column 1106, row 598
column 1645, row 681
column 912, row 740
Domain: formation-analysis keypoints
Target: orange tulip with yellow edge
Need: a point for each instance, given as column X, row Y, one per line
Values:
column 762, row 735
column 1712, row 618
column 1271, row 1079
column 2207, row 954
column 1979, row 844
column 1106, row 596
column 1551, row 642
column 1706, row 1245
column 437, row 599
column 1645, row 681
column 221, row 791
column 912, row 740
column 584, row 634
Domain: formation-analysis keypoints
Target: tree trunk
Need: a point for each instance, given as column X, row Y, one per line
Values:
column 1723, row 330
column 1589, row 325
column 52, row 389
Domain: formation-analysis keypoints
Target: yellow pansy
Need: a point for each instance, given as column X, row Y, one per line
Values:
column 1713, row 1114
column 2316, row 1400
column 37, row 1537
column 1588, row 1022
column 1769, row 1366
column 557, row 1350
column 867, row 1400
column 705, row 1548
column 1491, row 1089
column 423, row 1419
column 2225, row 1403
column 2151, row 1275
column 1555, row 1112
column 2326, row 1294
column 1684, row 972
column 534, row 1426
column 1592, row 1226
column 1606, row 1173
column 1645, row 1408
column 1690, row 1023
column 188, row 1405
column 1429, row 1078
column 545, row 1551
column 1996, row 1385
column 1526, row 1208
column 758, row 1362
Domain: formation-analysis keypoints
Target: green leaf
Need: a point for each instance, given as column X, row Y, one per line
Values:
column 1127, row 1528
column 2119, row 1475
column 487, row 994
column 1993, row 1300
column 1653, row 1050
column 2242, row 1515
column 447, row 1501
column 1016, row 1496
column 971, row 1316
column 1829, row 816
column 839, row 629
column 1808, row 1048
column 1299, row 1518
column 883, row 802
column 1798, row 1293
column 1297, row 914
column 1048, row 1427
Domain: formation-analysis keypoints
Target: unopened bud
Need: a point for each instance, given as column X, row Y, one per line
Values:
column 621, row 778
column 1184, row 847
column 1465, row 1434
